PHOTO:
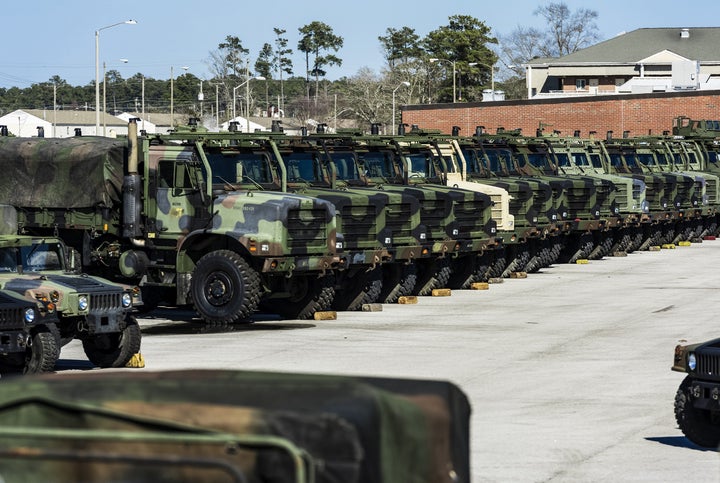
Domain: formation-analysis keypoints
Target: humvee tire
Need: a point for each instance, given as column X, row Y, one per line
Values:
column 701, row 426
column 114, row 349
column 40, row 356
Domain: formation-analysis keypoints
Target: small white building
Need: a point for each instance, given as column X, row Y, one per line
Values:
column 61, row 123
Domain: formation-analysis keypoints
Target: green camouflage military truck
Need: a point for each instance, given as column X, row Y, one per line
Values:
column 461, row 233
column 29, row 341
column 93, row 310
column 148, row 215
column 377, row 228
column 232, row 426
column 697, row 402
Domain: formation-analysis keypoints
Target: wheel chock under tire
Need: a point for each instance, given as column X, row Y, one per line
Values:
column 137, row 361
column 325, row 315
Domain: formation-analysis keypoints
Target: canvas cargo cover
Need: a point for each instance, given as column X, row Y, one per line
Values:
column 340, row 428
column 76, row 172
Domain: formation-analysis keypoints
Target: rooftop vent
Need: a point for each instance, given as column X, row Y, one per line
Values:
column 685, row 33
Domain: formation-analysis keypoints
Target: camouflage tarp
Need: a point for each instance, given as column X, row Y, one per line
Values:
column 78, row 172
column 173, row 426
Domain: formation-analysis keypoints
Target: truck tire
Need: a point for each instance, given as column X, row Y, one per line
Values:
column 398, row 281
column 114, row 350
column 432, row 274
column 224, row 288
column 700, row 426
column 39, row 357
column 310, row 294
column 362, row 288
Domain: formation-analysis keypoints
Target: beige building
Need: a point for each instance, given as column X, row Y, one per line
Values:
column 642, row 61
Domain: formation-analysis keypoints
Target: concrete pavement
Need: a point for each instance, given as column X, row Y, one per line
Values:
column 568, row 371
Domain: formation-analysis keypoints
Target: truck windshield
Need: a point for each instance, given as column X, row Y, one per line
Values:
column 34, row 258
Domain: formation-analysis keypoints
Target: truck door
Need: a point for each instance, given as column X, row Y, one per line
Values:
column 181, row 206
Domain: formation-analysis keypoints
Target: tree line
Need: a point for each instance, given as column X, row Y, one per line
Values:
column 455, row 62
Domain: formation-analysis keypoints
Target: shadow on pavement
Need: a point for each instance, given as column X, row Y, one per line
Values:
column 679, row 442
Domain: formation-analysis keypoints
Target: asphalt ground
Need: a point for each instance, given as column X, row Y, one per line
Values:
column 567, row 370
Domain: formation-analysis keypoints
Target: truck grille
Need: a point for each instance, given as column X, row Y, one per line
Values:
column 359, row 224
column 398, row 218
column 307, row 228
column 103, row 302
column 11, row 318
column 471, row 217
column 433, row 217
column 708, row 365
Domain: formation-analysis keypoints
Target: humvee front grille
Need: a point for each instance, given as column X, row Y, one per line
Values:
column 11, row 318
column 708, row 365
column 103, row 302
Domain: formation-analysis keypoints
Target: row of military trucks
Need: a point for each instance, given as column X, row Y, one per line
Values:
column 235, row 223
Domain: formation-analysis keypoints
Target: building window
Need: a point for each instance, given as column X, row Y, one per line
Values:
column 594, row 82
column 580, row 84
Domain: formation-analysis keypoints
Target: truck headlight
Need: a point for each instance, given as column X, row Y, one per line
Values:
column 83, row 302
column 126, row 300
column 692, row 361
column 29, row 315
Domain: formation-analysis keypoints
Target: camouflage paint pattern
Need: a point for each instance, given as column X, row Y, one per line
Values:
column 284, row 427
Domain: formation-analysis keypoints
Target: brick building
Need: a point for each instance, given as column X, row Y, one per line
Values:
column 639, row 114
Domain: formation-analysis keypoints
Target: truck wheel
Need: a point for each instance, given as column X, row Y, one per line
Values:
column 114, row 350
column 40, row 356
column 224, row 288
column 701, row 426
column 432, row 274
column 363, row 288
column 398, row 281
column 309, row 294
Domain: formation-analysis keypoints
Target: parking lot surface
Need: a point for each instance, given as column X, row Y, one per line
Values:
column 568, row 370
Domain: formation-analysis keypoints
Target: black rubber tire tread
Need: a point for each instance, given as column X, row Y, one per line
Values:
column 114, row 350
column 244, row 287
column 398, row 281
column 464, row 272
column 702, row 427
column 518, row 263
column 39, row 357
column 432, row 274
column 318, row 297
column 364, row 288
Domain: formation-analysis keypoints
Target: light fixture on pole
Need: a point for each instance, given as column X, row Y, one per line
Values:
column 403, row 83
column 453, row 73
column 247, row 94
column 492, row 75
column 124, row 61
column 97, row 69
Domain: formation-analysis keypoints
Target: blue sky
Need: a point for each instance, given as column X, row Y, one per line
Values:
column 45, row 38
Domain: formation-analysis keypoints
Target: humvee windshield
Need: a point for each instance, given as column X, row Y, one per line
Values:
column 33, row 258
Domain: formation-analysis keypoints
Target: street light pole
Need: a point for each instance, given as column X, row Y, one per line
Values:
column 453, row 74
column 403, row 83
column 97, row 69
column 247, row 97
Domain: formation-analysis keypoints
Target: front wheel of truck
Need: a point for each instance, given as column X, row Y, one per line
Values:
column 116, row 349
column 225, row 288
column 701, row 426
column 40, row 356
